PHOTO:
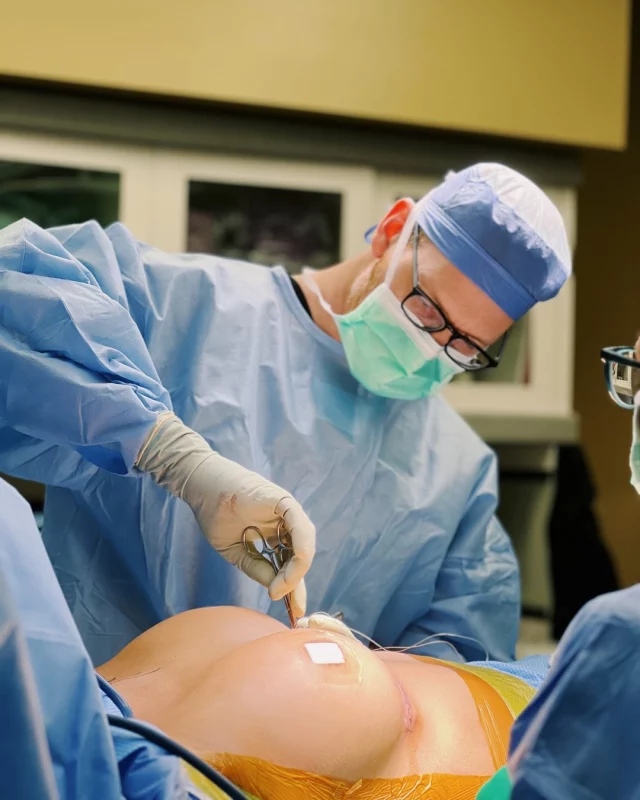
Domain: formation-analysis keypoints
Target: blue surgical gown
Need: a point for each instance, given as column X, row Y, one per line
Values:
column 56, row 740
column 104, row 332
column 578, row 738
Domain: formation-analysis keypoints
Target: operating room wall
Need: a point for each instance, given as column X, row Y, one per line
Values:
column 553, row 70
column 608, row 313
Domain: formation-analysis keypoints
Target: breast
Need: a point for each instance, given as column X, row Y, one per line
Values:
column 461, row 725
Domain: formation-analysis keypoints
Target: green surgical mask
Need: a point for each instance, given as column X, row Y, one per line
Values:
column 386, row 353
column 498, row 788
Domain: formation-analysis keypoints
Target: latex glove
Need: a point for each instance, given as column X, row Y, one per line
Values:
column 325, row 622
column 227, row 498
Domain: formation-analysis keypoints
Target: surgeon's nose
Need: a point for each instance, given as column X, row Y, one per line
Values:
column 442, row 337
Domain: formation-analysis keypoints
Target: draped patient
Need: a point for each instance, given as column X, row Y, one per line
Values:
column 313, row 713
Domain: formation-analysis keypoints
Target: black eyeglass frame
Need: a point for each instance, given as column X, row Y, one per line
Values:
column 491, row 361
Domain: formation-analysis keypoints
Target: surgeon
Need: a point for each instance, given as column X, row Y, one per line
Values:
column 578, row 738
column 327, row 385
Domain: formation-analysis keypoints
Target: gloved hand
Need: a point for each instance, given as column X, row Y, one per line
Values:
column 227, row 498
column 325, row 622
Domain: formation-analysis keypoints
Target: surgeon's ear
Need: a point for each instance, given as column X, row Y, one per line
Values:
column 391, row 226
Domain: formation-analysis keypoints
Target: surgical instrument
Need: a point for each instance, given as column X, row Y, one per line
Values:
column 278, row 555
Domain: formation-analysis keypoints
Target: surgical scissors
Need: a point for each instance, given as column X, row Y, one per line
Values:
column 278, row 555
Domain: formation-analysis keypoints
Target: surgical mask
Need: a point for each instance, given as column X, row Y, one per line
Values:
column 386, row 353
column 634, row 456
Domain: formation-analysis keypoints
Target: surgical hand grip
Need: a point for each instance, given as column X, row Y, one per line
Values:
column 226, row 498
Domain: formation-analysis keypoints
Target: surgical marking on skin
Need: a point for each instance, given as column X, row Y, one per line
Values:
column 135, row 675
column 148, row 672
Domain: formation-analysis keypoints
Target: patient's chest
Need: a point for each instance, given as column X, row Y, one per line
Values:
column 448, row 735
column 182, row 677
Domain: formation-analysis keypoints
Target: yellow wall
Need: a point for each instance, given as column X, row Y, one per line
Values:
column 547, row 69
column 608, row 313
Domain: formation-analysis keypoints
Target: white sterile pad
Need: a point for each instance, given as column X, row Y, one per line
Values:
column 325, row 653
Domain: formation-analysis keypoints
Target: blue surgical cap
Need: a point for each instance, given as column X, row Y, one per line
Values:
column 502, row 232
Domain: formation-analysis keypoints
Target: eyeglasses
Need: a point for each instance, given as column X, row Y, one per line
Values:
column 621, row 374
column 425, row 314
